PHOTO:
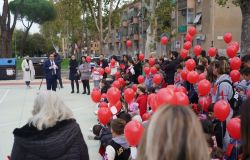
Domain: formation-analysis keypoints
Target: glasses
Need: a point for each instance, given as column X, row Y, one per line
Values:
column 51, row 56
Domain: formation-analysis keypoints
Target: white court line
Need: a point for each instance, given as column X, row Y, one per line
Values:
column 4, row 96
column 16, row 122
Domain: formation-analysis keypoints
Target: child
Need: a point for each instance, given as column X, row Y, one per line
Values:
column 142, row 99
column 118, row 148
column 96, row 78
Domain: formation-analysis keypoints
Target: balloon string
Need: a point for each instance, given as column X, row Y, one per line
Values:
column 236, row 147
column 222, row 132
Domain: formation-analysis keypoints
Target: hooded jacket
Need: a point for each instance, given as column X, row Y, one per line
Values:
column 64, row 141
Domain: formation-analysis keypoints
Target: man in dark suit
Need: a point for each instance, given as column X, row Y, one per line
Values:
column 51, row 71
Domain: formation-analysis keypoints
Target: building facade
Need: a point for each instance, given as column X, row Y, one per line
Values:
column 211, row 21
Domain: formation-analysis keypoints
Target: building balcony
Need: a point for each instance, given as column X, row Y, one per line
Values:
column 182, row 29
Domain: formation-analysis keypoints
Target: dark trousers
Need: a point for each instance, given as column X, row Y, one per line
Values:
column 86, row 85
column 72, row 85
column 51, row 83
column 60, row 81
column 27, row 83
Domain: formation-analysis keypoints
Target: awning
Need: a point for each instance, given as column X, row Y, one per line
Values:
column 197, row 18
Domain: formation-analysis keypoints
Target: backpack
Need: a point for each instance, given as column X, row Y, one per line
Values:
column 236, row 100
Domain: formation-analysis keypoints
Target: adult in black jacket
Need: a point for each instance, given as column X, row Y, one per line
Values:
column 73, row 73
column 51, row 134
column 171, row 68
column 103, row 63
column 137, row 68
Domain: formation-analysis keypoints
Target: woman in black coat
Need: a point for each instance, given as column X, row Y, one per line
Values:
column 51, row 133
column 73, row 73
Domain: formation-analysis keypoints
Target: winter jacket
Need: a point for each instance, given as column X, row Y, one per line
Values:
column 118, row 149
column 170, row 71
column 138, row 70
column 85, row 70
column 64, row 141
column 223, row 90
column 142, row 101
column 73, row 66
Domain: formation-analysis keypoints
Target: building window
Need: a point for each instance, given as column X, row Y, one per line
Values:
column 198, row 18
column 190, row 17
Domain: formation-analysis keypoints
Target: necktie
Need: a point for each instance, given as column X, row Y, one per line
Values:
column 53, row 70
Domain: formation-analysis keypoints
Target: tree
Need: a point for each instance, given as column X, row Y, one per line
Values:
column 38, row 11
column 7, row 29
column 245, row 29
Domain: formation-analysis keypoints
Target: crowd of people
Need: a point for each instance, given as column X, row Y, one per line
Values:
column 190, row 129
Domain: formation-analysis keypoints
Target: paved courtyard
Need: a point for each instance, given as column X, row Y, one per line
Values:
column 16, row 103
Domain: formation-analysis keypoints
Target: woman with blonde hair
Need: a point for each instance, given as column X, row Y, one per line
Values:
column 174, row 133
column 51, row 133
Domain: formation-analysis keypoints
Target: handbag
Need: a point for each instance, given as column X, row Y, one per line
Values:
column 27, row 69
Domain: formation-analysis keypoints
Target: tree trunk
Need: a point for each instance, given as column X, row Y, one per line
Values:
column 245, row 33
column 24, row 38
column 101, row 25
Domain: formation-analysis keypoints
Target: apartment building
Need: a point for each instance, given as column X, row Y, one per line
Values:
column 211, row 21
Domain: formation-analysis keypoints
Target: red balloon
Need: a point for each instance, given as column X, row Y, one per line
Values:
column 104, row 95
column 151, row 61
column 133, row 132
column 190, row 64
column 188, row 37
column 192, row 31
column 204, row 87
column 129, row 43
column 231, row 51
column 236, row 44
column 88, row 59
column 96, row 96
column 103, row 105
column 248, row 93
column 197, row 50
column 157, row 79
column 116, row 84
column 187, row 45
column 212, row 52
column 164, row 40
column 146, row 116
column 153, row 70
column 122, row 82
column 129, row 95
column 192, row 77
column 202, row 76
column 164, row 97
column 117, row 75
column 134, row 87
column 118, row 106
column 107, row 70
column 233, row 128
column 171, row 87
column 146, row 70
column 181, row 99
column 184, row 74
column 235, row 63
column 205, row 102
column 140, row 79
column 182, row 89
column 104, row 115
column 122, row 66
column 113, row 95
column 184, row 53
column 235, row 75
column 101, row 71
column 228, row 37
column 221, row 110
column 112, row 62
column 150, row 97
column 141, row 56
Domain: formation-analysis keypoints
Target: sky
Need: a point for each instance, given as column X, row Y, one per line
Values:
column 34, row 28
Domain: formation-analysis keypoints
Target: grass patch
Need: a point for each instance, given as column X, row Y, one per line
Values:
column 64, row 64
